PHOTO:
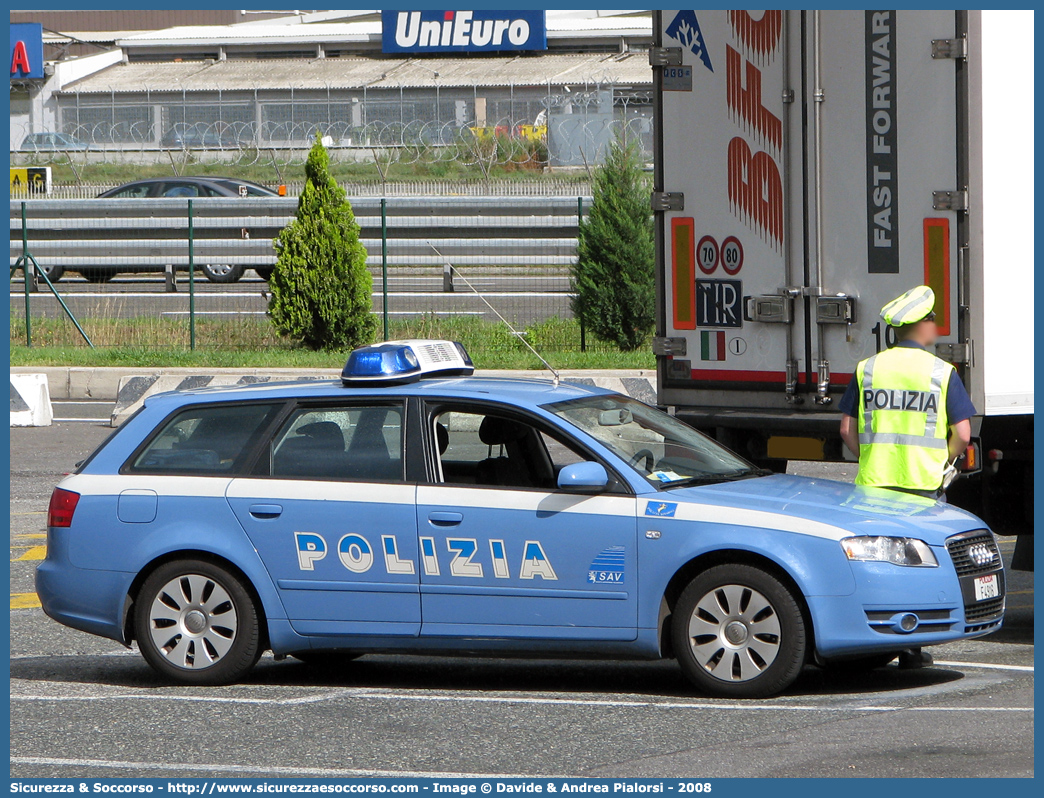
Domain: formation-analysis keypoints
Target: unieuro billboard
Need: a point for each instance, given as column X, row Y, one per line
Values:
column 462, row 31
column 27, row 51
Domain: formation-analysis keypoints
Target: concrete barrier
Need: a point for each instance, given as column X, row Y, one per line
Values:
column 134, row 389
column 30, row 401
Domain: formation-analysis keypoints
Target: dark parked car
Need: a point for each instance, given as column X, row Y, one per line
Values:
column 52, row 142
column 187, row 187
column 155, row 187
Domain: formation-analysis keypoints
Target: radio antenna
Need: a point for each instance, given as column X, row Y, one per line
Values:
column 516, row 333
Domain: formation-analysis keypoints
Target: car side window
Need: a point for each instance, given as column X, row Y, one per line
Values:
column 210, row 440
column 361, row 443
column 135, row 192
column 180, row 190
column 492, row 450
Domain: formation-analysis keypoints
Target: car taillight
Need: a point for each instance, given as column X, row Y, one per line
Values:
column 63, row 505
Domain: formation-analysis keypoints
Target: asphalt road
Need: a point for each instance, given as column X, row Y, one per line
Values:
column 83, row 706
column 522, row 295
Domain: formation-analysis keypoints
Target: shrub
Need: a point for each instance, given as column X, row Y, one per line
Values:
column 613, row 278
column 321, row 288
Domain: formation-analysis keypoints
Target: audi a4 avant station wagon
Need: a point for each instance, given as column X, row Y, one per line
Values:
column 414, row 507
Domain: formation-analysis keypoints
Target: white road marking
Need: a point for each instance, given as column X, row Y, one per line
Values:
column 265, row 769
column 380, row 695
column 985, row 665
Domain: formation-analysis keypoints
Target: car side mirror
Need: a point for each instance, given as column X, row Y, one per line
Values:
column 583, row 478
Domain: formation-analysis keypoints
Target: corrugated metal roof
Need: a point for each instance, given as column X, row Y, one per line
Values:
column 375, row 73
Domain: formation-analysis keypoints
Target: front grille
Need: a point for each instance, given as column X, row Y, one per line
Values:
column 984, row 609
column 969, row 551
column 929, row 620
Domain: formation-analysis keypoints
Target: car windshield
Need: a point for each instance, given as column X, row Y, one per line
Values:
column 662, row 449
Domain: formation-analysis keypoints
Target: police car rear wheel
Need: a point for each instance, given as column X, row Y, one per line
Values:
column 196, row 623
column 739, row 632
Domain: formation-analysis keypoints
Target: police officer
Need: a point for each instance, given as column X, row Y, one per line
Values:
column 906, row 412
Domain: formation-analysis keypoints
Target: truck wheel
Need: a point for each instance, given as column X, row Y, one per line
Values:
column 196, row 624
column 738, row 632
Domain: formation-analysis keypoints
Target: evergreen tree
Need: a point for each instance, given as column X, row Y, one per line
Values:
column 613, row 282
column 321, row 288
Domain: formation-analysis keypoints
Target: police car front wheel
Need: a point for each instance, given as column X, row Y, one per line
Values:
column 739, row 632
column 197, row 624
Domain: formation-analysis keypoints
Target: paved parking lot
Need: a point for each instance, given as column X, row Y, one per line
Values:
column 83, row 706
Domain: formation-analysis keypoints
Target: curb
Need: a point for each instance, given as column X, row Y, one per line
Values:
column 30, row 401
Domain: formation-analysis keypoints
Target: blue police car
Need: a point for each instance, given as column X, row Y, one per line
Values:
column 413, row 507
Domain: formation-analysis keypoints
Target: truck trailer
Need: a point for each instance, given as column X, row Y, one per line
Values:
column 809, row 167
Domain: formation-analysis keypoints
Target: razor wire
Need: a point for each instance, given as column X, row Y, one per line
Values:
column 515, row 127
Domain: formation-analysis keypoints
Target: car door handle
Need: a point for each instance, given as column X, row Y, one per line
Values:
column 264, row 511
column 445, row 519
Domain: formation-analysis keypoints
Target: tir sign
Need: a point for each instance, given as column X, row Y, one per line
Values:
column 26, row 51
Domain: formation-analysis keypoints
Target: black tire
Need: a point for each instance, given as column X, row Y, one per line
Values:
column 217, row 273
column 326, row 659
column 54, row 272
column 860, row 664
column 183, row 593
column 748, row 628
column 97, row 275
column 264, row 274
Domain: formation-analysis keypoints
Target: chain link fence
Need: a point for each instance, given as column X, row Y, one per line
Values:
column 486, row 129
column 169, row 274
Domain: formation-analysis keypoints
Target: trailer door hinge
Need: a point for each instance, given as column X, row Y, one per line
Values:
column 950, row 48
column 668, row 201
column 954, row 353
column 950, row 200
column 665, row 56
column 664, row 346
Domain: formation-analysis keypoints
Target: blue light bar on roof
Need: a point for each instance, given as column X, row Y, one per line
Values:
column 405, row 361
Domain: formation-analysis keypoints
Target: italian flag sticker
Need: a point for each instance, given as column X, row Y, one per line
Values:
column 712, row 345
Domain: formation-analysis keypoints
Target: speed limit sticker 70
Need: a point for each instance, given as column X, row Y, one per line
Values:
column 707, row 254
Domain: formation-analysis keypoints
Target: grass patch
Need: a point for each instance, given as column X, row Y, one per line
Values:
column 251, row 343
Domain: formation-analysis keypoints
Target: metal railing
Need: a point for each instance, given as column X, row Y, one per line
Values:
column 120, row 266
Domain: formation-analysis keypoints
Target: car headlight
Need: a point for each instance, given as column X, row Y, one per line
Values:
column 898, row 551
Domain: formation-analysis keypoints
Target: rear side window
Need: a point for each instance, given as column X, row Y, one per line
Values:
column 212, row 440
column 357, row 443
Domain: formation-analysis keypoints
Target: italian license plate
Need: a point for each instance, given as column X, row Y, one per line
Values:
column 986, row 587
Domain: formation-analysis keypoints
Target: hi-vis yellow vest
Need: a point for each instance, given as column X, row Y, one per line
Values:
column 902, row 419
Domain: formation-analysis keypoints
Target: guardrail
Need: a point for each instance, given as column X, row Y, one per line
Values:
column 120, row 235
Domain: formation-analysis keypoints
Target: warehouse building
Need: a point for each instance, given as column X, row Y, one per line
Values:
column 274, row 83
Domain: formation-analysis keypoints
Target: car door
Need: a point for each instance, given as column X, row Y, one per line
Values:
column 328, row 509
column 505, row 554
